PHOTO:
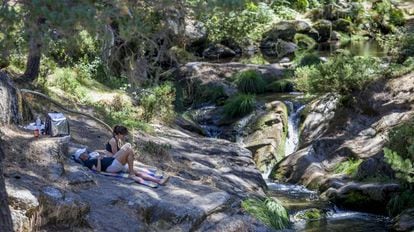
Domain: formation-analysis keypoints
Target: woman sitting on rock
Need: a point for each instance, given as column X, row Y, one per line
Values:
column 119, row 134
column 115, row 164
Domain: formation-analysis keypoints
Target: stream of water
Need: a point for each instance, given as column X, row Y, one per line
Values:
column 297, row 199
column 292, row 139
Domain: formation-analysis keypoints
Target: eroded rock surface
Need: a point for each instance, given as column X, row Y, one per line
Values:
column 333, row 134
column 209, row 178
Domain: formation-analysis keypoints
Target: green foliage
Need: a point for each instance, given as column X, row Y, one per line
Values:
column 283, row 10
column 250, row 81
column 398, row 70
column 212, row 94
column 284, row 85
column 304, row 41
column 400, row 202
column 239, row 105
column 159, row 101
column 256, row 59
column 399, row 45
column 127, row 116
column 399, row 153
column 247, row 23
column 349, row 167
column 269, row 211
column 403, row 167
column 301, row 4
column 385, row 12
column 67, row 81
column 311, row 214
column 342, row 73
column 309, row 59
column 401, row 140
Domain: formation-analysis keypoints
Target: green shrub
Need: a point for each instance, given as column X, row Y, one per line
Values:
column 239, row 105
column 256, row 59
column 67, row 81
column 397, row 70
column 250, row 81
column 397, row 17
column 403, row 167
column 301, row 4
column 247, row 23
column 127, row 116
column 279, row 86
column 269, row 211
column 399, row 153
column 311, row 214
column 309, row 59
column 304, row 41
column 342, row 73
column 384, row 13
column 302, row 77
column 349, row 167
column 159, row 101
column 283, row 10
column 401, row 140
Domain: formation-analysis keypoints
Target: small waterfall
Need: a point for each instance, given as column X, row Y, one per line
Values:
column 292, row 140
column 207, row 120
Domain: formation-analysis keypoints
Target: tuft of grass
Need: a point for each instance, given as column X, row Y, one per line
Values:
column 269, row 211
column 250, row 81
column 309, row 59
column 280, row 86
column 239, row 105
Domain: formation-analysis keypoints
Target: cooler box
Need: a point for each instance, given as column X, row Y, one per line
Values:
column 56, row 125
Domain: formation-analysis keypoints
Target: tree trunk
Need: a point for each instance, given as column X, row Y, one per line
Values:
column 6, row 223
column 33, row 59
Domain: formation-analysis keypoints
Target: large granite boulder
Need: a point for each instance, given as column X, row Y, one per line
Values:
column 278, row 48
column 209, row 179
column 284, row 30
column 324, row 28
column 318, row 115
column 195, row 32
column 217, row 51
column 23, row 205
column 267, row 136
column 404, row 221
column 371, row 197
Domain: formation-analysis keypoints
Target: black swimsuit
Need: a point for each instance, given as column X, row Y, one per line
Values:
column 109, row 147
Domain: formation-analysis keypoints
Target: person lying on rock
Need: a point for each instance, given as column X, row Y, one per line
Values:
column 115, row 164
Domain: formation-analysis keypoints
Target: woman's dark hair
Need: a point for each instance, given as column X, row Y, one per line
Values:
column 120, row 130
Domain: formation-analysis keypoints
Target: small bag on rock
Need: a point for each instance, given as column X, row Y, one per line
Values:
column 56, row 124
